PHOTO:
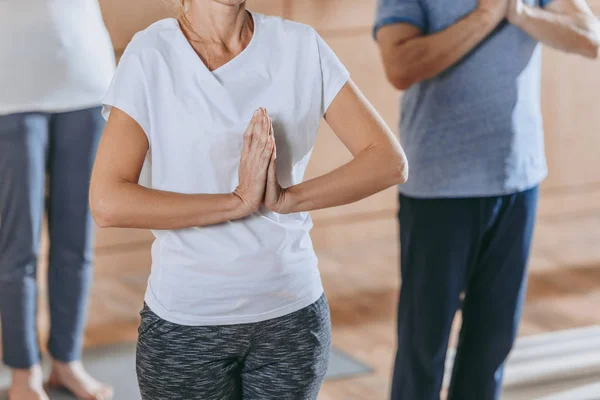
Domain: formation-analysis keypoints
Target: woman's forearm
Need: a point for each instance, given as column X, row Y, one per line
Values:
column 372, row 171
column 129, row 205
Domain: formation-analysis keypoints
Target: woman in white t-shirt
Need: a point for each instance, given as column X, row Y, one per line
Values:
column 56, row 63
column 222, row 106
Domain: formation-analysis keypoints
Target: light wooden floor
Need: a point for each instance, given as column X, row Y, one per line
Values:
column 358, row 261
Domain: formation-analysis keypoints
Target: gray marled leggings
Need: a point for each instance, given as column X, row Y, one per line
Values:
column 279, row 359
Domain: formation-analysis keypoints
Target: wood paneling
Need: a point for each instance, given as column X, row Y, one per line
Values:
column 334, row 15
column 112, row 238
column 269, row 7
column 570, row 105
column 124, row 18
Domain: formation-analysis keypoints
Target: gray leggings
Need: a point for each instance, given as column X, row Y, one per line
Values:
column 279, row 359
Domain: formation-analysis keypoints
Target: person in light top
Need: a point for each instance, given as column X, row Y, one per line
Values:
column 222, row 106
column 56, row 63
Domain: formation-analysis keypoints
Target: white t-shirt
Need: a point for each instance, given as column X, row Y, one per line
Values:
column 247, row 270
column 55, row 55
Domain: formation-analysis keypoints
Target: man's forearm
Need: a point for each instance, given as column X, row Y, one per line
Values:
column 578, row 33
column 425, row 57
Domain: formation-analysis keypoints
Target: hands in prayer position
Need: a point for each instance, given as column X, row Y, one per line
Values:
column 258, row 182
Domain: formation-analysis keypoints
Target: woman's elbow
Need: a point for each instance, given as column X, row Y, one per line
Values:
column 102, row 209
column 398, row 168
column 401, row 172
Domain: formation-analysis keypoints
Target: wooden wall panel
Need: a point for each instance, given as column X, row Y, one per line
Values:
column 571, row 108
column 114, row 238
column 269, row 7
column 332, row 15
column 124, row 18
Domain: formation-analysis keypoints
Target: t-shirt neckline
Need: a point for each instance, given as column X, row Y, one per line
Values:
column 191, row 53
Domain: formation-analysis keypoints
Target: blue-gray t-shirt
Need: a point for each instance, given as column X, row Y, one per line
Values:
column 474, row 130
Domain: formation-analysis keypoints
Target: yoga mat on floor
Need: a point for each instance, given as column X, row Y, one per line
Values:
column 116, row 365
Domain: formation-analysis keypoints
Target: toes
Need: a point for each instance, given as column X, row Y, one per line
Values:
column 105, row 393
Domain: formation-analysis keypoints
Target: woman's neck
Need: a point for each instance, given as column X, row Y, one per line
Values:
column 219, row 24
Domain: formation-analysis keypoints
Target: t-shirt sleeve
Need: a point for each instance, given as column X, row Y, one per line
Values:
column 544, row 3
column 334, row 73
column 128, row 91
column 399, row 11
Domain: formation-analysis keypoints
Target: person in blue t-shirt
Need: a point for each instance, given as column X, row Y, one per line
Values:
column 471, row 127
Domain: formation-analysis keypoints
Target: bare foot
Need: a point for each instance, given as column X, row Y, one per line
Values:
column 27, row 384
column 73, row 377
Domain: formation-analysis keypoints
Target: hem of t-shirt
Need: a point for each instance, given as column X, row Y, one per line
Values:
column 469, row 192
column 397, row 20
column 335, row 90
column 188, row 320
column 44, row 108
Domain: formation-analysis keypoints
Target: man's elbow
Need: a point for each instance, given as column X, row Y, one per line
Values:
column 399, row 76
column 404, row 75
column 401, row 81
column 590, row 43
column 592, row 50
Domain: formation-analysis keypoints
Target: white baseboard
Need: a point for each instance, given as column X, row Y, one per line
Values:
column 586, row 392
column 552, row 359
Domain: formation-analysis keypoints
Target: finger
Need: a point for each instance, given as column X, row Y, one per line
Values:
column 263, row 131
column 249, row 135
column 269, row 147
column 266, row 121
column 257, row 131
column 247, row 145
column 271, row 133
column 252, row 124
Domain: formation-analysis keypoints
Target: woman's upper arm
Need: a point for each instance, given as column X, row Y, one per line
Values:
column 355, row 121
column 121, row 152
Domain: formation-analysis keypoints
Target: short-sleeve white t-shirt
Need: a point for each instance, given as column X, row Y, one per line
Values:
column 262, row 266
